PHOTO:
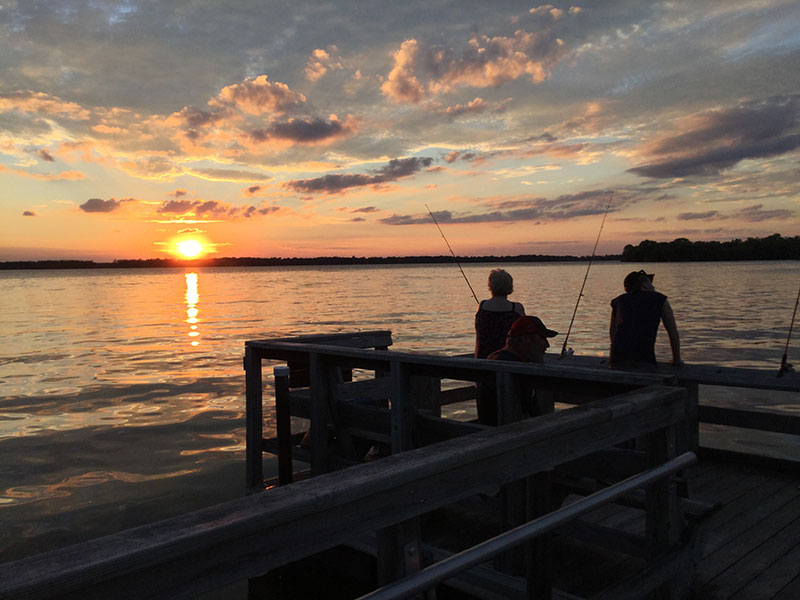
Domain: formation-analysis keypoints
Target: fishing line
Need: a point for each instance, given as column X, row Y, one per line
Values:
column 785, row 366
column 585, row 277
column 455, row 260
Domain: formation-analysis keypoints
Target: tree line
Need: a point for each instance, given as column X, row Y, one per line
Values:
column 773, row 247
column 157, row 263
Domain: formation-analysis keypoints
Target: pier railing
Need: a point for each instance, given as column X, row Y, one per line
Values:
column 341, row 412
column 692, row 376
column 213, row 547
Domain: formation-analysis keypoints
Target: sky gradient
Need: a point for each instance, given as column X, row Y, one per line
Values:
column 315, row 129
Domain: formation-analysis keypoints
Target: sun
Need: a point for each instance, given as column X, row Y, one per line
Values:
column 190, row 248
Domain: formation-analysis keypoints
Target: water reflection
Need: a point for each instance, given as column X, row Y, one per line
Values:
column 192, row 299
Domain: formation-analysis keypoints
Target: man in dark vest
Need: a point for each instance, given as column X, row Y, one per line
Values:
column 635, row 316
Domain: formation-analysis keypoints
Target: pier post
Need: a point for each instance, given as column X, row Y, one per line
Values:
column 319, row 414
column 254, row 477
column 398, row 546
column 283, row 425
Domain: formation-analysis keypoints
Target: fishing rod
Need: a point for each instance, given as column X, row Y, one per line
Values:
column 455, row 260
column 785, row 366
column 585, row 277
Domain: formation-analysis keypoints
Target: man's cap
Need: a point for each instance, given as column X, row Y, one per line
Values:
column 632, row 279
column 527, row 325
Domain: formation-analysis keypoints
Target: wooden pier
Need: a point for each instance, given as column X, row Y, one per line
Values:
column 602, row 498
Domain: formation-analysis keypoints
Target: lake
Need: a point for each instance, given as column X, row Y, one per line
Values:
column 122, row 397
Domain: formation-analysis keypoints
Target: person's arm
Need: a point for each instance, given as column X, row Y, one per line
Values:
column 519, row 309
column 668, row 318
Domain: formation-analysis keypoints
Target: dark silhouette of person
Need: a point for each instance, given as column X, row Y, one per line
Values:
column 635, row 317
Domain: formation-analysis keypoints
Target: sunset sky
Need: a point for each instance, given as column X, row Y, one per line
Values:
column 312, row 128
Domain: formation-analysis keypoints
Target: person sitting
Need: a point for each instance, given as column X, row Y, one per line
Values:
column 635, row 316
column 495, row 315
column 527, row 341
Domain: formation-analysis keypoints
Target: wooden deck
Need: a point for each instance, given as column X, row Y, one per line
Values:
column 751, row 545
column 750, row 548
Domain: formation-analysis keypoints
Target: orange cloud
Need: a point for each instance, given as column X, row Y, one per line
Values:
column 401, row 85
column 259, row 95
column 320, row 62
column 39, row 102
column 63, row 176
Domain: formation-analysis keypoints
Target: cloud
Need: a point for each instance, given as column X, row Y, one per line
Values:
column 712, row 141
column 98, row 205
column 320, row 62
column 45, row 155
column 258, row 96
column 366, row 209
column 561, row 208
column 694, row 216
column 28, row 213
column 484, row 62
column 63, row 176
column 306, row 131
column 211, row 174
column 473, row 107
column 38, row 102
column 757, row 213
column 212, row 209
column 397, row 168
column 402, row 85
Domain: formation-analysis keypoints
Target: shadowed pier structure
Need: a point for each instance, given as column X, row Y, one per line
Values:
column 601, row 498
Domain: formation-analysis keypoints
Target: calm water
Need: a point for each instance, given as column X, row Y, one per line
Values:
column 122, row 391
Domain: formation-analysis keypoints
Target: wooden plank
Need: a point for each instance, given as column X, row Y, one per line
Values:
column 720, row 564
column 765, row 379
column 182, row 556
column 777, row 575
column 791, row 590
column 459, row 394
column 357, row 339
column 471, row 369
column 750, row 419
column 739, row 513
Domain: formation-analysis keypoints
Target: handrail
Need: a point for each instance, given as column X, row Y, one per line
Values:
column 453, row 565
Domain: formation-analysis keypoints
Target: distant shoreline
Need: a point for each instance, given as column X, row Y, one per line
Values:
column 773, row 247
column 158, row 263
column 166, row 263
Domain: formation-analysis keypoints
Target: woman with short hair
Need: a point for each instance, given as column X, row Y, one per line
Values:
column 495, row 315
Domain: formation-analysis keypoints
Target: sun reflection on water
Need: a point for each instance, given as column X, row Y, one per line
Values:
column 192, row 299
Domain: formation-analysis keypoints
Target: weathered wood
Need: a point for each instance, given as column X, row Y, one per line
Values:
column 472, row 369
column 182, row 555
column 539, row 552
column 765, row 379
column 750, row 419
column 319, row 413
column 254, row 427
column 283, row 425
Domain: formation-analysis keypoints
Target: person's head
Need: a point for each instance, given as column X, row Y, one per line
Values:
column 638, row 280
column 528, row 338
column 500, row 283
